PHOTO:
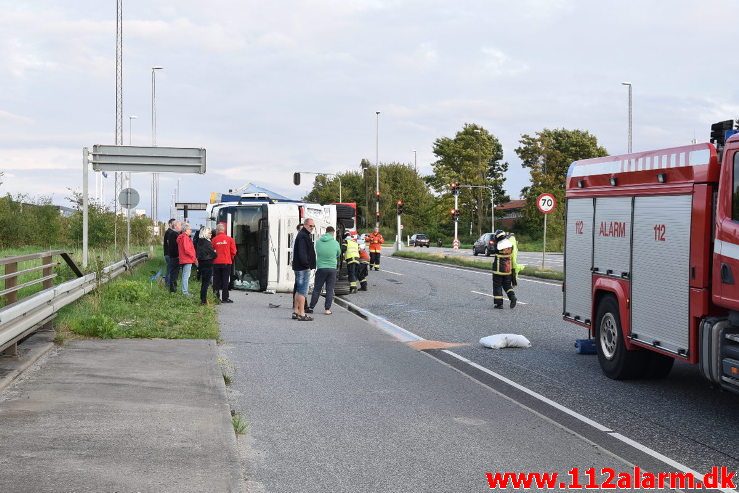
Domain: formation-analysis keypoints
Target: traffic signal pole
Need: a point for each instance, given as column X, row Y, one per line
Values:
column 455, row 245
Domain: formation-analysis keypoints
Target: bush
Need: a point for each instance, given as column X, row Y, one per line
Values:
column 96, row 325
column 127, row 291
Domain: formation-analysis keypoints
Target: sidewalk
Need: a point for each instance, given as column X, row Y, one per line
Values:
column 123, row 415
column 338, row 405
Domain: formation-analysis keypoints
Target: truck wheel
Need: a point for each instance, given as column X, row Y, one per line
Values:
column 487, row 252
column 474, row 252
column 658, row 366
column 615, row 361
column 342, row 281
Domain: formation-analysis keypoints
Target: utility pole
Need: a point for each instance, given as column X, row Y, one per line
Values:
column 630, row 114
column 118, row 108
column 377, row 170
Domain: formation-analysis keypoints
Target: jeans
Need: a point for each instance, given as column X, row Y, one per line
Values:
column 327, row 277
column 186, row 268
column 173, row 270
column 206, row 272
column 302, row 279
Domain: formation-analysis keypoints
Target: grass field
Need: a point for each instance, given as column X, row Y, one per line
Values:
column 465, row 262
column 134, row 306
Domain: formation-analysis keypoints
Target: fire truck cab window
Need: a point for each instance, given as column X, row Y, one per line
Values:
column 735, row 195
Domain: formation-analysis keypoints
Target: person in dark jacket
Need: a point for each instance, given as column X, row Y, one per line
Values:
column 171, row 250
column 304, row 260
column 167, row 237
column 206, row 254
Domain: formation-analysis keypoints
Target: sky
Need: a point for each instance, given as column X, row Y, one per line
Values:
column 269, row 88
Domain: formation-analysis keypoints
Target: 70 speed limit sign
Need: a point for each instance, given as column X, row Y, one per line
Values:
column 546, row 203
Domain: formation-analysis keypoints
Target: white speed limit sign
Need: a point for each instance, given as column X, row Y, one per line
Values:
column 546, row 203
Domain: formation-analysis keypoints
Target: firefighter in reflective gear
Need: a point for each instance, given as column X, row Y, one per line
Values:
column 364, row 259
column 352, row 260
column 503, row 270
column 375, row 247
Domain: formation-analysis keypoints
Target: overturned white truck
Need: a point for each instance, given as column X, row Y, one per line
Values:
column 264, row 230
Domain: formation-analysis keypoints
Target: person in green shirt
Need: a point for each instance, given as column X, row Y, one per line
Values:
column 328, row 251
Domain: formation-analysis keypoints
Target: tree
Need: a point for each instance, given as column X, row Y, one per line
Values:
column 473, row 157
column 397, row 181
column 548, row 155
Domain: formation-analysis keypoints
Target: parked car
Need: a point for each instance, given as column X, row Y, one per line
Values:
column 420, row 240
column 484, row 244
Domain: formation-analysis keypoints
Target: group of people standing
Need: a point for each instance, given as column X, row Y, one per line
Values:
column 325, row 257
column 212, row 256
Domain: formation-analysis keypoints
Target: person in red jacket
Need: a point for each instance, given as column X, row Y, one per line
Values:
column 225, row 248
column 187, row 256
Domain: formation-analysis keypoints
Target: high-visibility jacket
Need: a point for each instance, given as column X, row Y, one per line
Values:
column 375, row 242
column 364, row 256
column 514, row 254
column 352, row 251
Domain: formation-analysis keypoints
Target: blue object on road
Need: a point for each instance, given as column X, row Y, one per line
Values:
column 585, row 346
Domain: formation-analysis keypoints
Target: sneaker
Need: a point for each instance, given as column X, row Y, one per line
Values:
column 227, row 301
column 328, row 312
column 309, row 310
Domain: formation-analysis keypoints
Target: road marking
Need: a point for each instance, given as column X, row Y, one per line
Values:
column 474, row 272
column 491, row 296
column 391, row 272
column 405, row 335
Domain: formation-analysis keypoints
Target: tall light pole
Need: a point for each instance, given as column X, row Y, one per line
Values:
column 415, row 161
column 377, row 170
column 630, row 108
column 154, row 176
column 131, row 118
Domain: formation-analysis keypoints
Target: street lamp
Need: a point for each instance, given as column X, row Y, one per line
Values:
column 415, row 161
column 630, row 108
column 154, row 176
column 377, row 171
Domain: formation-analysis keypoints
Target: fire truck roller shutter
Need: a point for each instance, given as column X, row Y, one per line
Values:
column 612, row 242
column 578, row 259
column 661, row 263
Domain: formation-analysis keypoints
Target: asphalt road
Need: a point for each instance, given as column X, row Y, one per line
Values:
column 680, row 417
column 552, row 261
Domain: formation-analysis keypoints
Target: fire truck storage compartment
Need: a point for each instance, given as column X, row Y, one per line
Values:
column 578, row 259
column 660, row 269
column 612, row 244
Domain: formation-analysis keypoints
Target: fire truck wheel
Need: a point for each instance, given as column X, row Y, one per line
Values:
column 474, row 251
column 658, row 366
column 615, row 361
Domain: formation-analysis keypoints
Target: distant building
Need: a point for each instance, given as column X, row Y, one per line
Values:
column 508, row 214
column 139, row 212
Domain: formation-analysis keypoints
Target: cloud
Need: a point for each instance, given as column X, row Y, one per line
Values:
column 497, row 63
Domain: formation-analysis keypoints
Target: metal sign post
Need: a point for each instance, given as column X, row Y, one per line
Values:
column 190, row 206
column 455, row 244
column 135, row 159
column 546, row 204
column 128, row 198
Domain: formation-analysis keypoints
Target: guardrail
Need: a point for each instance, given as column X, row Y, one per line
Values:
column 19, row 319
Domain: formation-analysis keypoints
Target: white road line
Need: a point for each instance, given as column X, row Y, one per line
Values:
column 491, row 296
column 406, row 335
column 390, row 272
column 474, row 272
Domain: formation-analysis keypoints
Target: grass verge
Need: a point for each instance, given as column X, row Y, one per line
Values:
column 475, row 264
column 133, row 306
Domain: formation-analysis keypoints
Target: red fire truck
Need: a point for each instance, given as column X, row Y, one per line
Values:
column 652, row 258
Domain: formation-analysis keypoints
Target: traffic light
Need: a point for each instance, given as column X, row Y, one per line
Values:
column 718, row 131
column 296, row 179
column 455, row 188
column 400, row 207
column 455, row 214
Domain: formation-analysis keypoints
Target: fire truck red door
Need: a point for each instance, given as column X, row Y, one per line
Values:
column 726, row 247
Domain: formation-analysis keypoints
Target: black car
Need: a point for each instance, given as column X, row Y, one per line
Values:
column 484, row 244
column 420, row 240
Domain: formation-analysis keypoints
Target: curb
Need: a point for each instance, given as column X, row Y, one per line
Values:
column 381, row 323
column 473, row 269
column 236, row 481
column 37, row 346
